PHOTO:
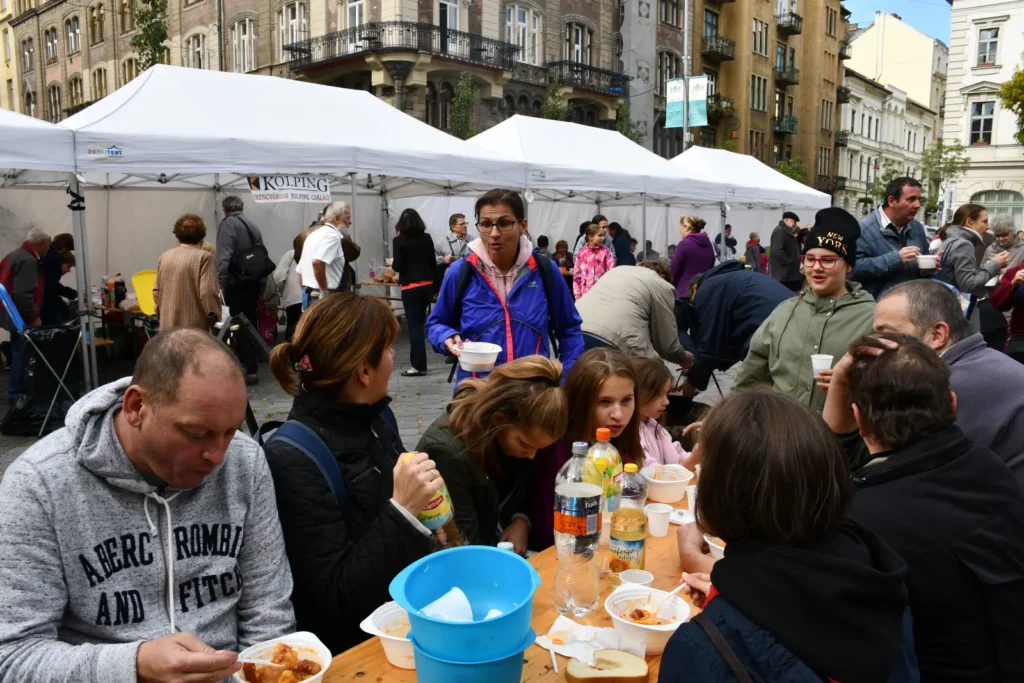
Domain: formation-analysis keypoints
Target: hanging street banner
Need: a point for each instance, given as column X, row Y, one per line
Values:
column 290, row 188
column 675, row 100
column 698, row 101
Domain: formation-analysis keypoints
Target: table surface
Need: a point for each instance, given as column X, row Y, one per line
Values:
column 366, row 662
column 371, row 283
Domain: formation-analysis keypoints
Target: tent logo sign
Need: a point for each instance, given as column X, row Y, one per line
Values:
column 111, row 152
column 290, row 188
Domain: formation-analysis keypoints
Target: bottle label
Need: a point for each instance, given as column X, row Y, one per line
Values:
column 578, row 516
column 438, row 511
column 625, row 555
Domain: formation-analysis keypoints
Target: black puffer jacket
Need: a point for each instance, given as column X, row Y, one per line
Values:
column 342, row 571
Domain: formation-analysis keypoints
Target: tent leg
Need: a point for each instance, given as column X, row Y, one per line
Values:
column 384, row 225
column 643, row 230
column 77, row 206
column 352, row 205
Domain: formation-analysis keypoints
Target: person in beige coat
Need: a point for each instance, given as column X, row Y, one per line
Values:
column 186, row 289
column 632, row 308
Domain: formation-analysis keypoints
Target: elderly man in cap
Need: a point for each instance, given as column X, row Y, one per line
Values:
column 784, row 259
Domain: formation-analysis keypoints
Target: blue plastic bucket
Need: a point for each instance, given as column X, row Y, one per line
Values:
column 508, row 669
column 491, row 579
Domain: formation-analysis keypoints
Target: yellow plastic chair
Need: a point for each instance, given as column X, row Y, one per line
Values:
column 143, row 282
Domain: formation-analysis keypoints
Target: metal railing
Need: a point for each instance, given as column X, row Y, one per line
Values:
column 529, row 73
column 586, row 77
column 845, row 49
column 830, row 184
column 842, row 94
column 787, row 76
column 385, row 36
column 719, row 107
column 789, row 23
column 784, row 124
column 718, row 46
column 842, row 138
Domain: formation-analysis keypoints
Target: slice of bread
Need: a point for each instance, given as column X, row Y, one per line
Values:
column 611, row 666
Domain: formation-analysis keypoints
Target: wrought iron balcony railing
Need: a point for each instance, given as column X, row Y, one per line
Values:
column 842, row 138
column 842, row 94
column 789, row 23
column 719, row 107
column 787, row 76
column 718, row 47
column 588, row 77
column 784, row 125
column 845, row 49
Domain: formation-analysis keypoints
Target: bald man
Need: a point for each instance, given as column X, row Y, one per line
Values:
column 141, row 542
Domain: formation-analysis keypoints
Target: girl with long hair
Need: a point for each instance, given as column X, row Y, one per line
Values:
column 653, row 382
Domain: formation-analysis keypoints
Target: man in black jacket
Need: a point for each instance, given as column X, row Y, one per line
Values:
column 784, row 257
column 236, row 233
column 729, row 304
column 949, row 507
column 620, row 243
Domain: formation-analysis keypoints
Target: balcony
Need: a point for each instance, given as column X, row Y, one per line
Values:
column 787, row 76
column 586, row 77
column 401, row 36
column 718, row 48
column 719, row 108
column 845, row 49
column 840, row 183
column 789, row 24
column 842, row 95
column 830, row 184
column 842, row 138
column 845, row 12
column 785, row 125
column 528, row 73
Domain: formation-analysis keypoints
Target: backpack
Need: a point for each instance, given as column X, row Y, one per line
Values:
column 544, row 267
column 253, row 262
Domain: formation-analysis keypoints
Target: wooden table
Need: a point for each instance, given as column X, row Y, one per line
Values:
column 366, row 662
column 386, row 296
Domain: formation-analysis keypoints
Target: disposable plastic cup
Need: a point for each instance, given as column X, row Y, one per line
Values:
column 657, row 519
column 636, row 577
column 926, row 261
column 691, row 498
column 820, row 361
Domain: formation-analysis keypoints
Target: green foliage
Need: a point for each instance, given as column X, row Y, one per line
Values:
column 1012, row 94
column 943, row 164
column 555, row 107
column 876, row 188
column 151, row 21
column 794, row 168
column 462, row 107
column 627, row 126
column 729, row 145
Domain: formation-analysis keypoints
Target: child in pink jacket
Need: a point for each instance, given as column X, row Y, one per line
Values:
column 591, row 262
column 653, row 382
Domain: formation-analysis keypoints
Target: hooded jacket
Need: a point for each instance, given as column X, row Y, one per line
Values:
column 834, row 611
column 96, row 561
column 755, row 258
column 780, row 350
column 623, row 256
column 784, row 256
column 959, row 264
column 694, row 255
column 592, row 263
column 510, row 311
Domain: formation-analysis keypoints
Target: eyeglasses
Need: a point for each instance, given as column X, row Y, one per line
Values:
column 503, row 225
column 827, row 262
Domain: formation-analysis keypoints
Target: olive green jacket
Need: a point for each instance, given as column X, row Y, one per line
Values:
column 780, row 350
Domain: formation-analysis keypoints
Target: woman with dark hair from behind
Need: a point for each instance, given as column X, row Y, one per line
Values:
column 53, row 310
column 337, row 368
column 802, row 594
column 414, row 261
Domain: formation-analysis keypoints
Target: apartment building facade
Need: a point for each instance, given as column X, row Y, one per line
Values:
column 986, row 42
column 8, row 59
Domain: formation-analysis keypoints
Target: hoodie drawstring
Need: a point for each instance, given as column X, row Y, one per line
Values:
column 170, row 549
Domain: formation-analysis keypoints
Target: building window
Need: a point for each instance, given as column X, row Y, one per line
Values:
column 826, row 115
column 7, row 46
column 445, row 97
column 710, row 24
column 433, row 113
column 825, row 161
column 760, row 37
column 756, row 144
column 988, row 41
column 668, row 11
column 129, row 70
column 356, row 15
column 127, row 16
column 1001, row 201
column 98, row 80
column 74, row 35
column 523, row 29
column 96, row 24
column 578, row 41
column 830, row 21
column 10, row 95
column 52, row 46
column 53, row 104
column 712, row 81
column 291, row 28
column 982, row 114
column 759, row 93
column 195, row 52
column 28, row 54
column 75, row 92
column 30, row 104
column 669, row 67
column 243, row 45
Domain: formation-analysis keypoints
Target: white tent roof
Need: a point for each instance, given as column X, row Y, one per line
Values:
column 28, row 143
column 749, row 180
column 175, row 120
column 569, row 156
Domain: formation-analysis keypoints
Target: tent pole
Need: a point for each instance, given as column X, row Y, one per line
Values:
column 77, row 206
column 352, row 204
column 644, row 229
column 384, row 222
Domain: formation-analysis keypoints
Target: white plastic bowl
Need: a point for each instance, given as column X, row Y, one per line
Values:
column 478, row 356
column 655, row 638
column 671, row 488
column 303, row 641
column 398, row 650
column 716, row 546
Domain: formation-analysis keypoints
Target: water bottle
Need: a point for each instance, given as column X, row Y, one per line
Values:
column 609, row 463
column 629, row 524
column 578, row 523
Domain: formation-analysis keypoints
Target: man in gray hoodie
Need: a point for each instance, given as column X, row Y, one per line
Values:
column 142, row 542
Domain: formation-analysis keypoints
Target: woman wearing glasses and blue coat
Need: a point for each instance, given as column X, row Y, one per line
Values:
column 824, row 318
column 509, row 295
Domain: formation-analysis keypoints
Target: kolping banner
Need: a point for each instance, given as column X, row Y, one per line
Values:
column 698, row 101
column 290, row 188
column 675, row 99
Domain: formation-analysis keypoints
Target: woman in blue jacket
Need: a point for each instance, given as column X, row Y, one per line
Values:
column 511, row 295
column 803, row 595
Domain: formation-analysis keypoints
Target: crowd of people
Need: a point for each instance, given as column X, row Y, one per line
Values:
column 873, row 511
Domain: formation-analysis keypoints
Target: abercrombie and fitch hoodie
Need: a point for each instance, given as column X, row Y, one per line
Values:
column 94, row 561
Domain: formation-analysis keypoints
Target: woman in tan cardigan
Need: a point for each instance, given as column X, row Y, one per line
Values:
column 186, row 289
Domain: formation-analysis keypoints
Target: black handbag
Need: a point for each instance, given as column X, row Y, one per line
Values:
column 253, row 262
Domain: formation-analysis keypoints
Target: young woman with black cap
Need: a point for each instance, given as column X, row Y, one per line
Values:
column 823, row 319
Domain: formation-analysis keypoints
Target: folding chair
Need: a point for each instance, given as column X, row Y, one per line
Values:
column 21, row 328
column 143, row 282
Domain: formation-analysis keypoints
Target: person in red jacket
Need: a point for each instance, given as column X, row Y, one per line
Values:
column 21, row 273
column 1008, row 296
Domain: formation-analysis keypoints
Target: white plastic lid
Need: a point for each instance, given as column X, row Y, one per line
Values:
column 506, row 545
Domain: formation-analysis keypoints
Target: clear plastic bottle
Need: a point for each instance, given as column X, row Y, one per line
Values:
column 629, row 524
column 578, row 526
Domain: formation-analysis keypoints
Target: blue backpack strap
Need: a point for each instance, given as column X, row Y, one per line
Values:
column 545, row 267
column 298, row 435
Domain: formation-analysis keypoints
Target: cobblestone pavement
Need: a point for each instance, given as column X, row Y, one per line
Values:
column 417, row 400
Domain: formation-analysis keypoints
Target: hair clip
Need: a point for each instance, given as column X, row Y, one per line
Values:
column 304, row 365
